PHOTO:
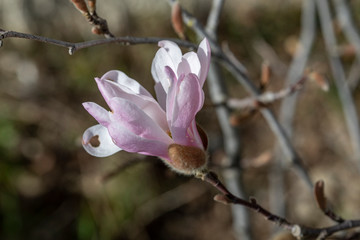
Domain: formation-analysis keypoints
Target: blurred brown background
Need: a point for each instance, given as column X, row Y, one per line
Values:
column 50, row 188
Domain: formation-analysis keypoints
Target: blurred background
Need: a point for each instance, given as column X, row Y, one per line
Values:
column 50, row 188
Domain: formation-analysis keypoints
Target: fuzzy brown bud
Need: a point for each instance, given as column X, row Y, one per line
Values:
column 187, row 160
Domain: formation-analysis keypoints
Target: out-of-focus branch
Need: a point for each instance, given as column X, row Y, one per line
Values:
column 299, row 61
column 73, row 47
column 346, row 23
column 350, row 30
column 337, row 69
column 287, row 108
column 299, row 231
column 214, row 18
column 218, row 93
column 265, row 98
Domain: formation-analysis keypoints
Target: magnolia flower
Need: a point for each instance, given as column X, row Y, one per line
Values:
column 138, row 123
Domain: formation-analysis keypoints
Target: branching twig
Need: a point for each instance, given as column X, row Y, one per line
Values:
column 301, row 232
column 265, row 98
column 89, row 12
column 73, row 47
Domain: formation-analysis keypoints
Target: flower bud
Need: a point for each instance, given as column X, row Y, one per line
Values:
column 186, row 159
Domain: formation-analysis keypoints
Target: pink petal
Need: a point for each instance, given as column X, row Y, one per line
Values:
column 187, row 103
column 204, row 54
column 131, row 142
column 98, row 134
column 194, row 135
column 149, row 105
column 135, row 120
column 128, row 84
column 160, row 95
column 171, row 96
column 98, row 112
column 189, row 64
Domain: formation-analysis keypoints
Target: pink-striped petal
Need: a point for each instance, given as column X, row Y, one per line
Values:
column 171, row 96
column 187, row 103
column 132, row 142
column 135, row 120
column 97, row 142
column 110, row 90
column 204, row 54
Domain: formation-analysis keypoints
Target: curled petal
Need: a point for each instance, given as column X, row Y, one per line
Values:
column 135, row 120
column 97, row 142
column 128, row 84
column 98, row 112
column 204, row 54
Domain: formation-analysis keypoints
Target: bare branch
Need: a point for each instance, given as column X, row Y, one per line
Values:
column 214, row 17
column 73, row 47
column 322, row 202
column 298, row 231
column 265, row 98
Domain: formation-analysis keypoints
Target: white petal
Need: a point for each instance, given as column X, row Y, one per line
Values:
column 161, row 60
column 97, row 142
column 204, row 54
column 126, row 82
column 189, row 64
column 173, row 50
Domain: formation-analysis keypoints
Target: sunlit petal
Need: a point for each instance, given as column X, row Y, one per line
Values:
column 97, row 142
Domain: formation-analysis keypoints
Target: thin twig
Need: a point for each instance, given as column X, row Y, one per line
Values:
column 73, row 47
column 319, row 192
column 301, row 232
column 287, row 108
column 265, row 98
column 100, row 25
column 343, row 15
